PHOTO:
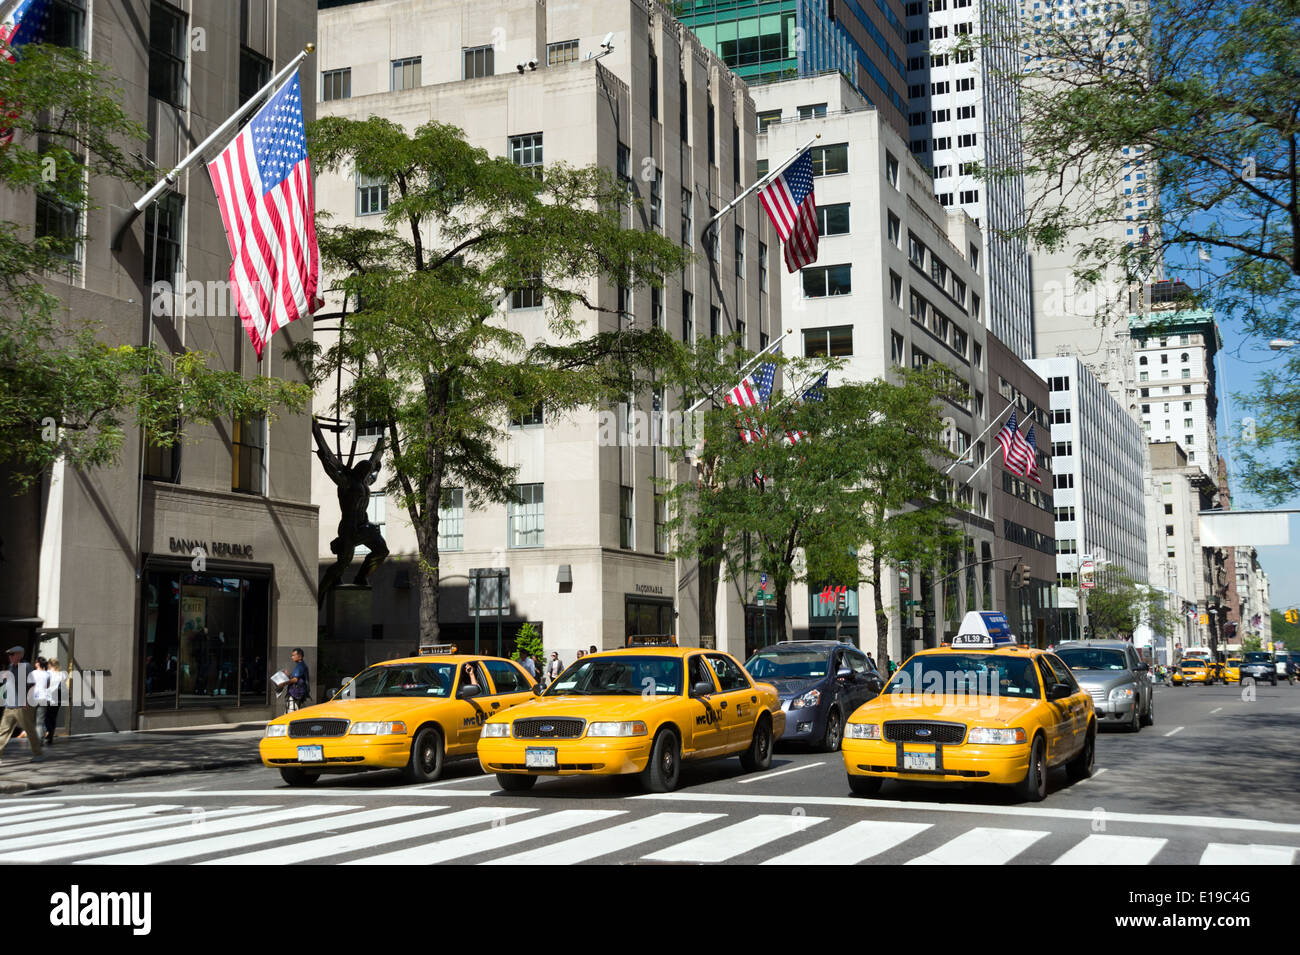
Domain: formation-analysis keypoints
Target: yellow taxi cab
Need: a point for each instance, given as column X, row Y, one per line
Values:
column 981, row 710
column 1192, row 671
column 1232, row 670
column 411, row 714
column 640, row 710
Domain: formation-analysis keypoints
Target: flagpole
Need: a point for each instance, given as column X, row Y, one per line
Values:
column 744, row 371
column 962, row 459
column 771, row 174
column 197, row 152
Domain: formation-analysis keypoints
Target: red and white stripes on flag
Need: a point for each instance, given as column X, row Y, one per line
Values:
column 790, row 205
column 1019, row 455
column 264, row 191
column 754, row 391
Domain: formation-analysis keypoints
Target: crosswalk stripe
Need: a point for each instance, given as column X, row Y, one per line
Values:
column 45, row 838
column 496, row 837
column 14, row 809
column 581, row 848
column 1113, row 850
column 72, row 815
column 981, row 846
column 722, row 844
column 851, row 845
column 1219, row 853
column 365, row 838
column 237, row 840
column 182, row 830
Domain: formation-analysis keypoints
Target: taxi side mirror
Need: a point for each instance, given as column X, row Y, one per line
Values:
column 537, row 689
column 701, row 688
column 468, row 691
column 1059, row 691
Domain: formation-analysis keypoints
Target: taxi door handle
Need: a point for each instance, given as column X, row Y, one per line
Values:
column 496, row 705
column 722, row 705
column 753, row 699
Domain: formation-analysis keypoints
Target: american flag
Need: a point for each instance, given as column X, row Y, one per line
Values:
column 1031, row 470
column 1018, row 454
column 789, row 202
column 264, row 190
column 816, row 393
column 26, row 25
column 754, row 391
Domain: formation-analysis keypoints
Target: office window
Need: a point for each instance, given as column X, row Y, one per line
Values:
column 965, row 112
column 1189, row 440
column 940, row 115
column 977, row 355
column 406, row 73
column 1062, row 448
column 451, row 519
column 939, row 89
column 1169, row 509
column 915, row 251
column 920, row 359
column 161, row 462
column 657, row 200
column 533, row 417
column 815, row 111
column 168, row 42
column 688, row 318
column 661, row 524
column 625, row 521
column 625, row 305
column 66, row 24
column 526, row 517
column 1067, row 546
column 654, row 84
column 624, row 166
column 163, row 230
column 713, row 134
column 894, row 229
column 945, row 198
column 833, row 219
column 896, row 288
column 916, row 119
column 1187, row 406
column 834, row 342
column 1187, row 422
column 372, row 195
column 527, row 296
column 1187, row 373
column 715, row 321
column 563, row 52
column 526, row 151
column 335, row 84
column 1065, row 513
column 760, row 169
column 767, row 118
column 896, row 348
column 479, row 61
column 740, row 332
column 1144, row 376
column 827, row 280
column 740, row 251
column 713, row 242
column 684, row 125
column 941, row 172
column 61, row 222
column 970, row 195
column 247, row 445
column 656, row 307
column 967, row 139
column 688, row 230
column 254, row 73
column 830, row 160
column 891, row 169
column 959, row 341
column 942, row 142
column 762, row 266
column 919, row 146
column 965, row 85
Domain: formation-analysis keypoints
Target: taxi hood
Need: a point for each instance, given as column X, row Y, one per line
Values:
column 377, row 708
column 986, row 710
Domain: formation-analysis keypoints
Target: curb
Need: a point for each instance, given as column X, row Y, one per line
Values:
column 120, row 774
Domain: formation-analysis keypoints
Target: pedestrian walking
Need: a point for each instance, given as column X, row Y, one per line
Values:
column 553, row 668
column 299, row 691
column 19, row 714
column 592, row 650
column 40, row 693
column 527, row 663
column 58, row 682
column 540, row 665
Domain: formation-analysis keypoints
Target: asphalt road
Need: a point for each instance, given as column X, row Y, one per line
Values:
column 1213, row 781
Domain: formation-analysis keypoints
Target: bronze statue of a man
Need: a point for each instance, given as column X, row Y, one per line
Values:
column 355, row 529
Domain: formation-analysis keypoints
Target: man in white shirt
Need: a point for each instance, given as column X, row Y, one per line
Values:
column 19, row 715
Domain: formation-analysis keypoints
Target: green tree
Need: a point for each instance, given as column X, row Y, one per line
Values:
column 66, row 392
column 1204, row 93
column 1118, row 605
column 427, row 353
column 858, row 493
column 528, row 642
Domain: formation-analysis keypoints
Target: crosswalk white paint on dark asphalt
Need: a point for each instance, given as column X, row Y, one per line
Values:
column 120, row 833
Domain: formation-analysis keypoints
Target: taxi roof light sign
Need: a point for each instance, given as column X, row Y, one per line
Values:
column 652, row 640
column 984, row 628
column 437, row 649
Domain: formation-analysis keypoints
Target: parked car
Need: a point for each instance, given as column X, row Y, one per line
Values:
column 1258, row 665
column 1116, row 679
column 820, row 683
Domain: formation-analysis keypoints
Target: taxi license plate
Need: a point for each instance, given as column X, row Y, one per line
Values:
column 311, row 754
column 539, row 758
column 918, row 761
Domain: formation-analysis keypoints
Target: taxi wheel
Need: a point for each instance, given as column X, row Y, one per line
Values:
column 1034, row 786
column 665, row 767
column 1082, row 765
column 759, row 755
column 834, row 733
column 516, row 782
column 425, row 764
column 865, row 785
column 298, row 777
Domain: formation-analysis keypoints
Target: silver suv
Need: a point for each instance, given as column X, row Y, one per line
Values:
column 1115, row 677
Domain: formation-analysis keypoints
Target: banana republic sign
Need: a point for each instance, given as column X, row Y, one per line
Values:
column 183, row 545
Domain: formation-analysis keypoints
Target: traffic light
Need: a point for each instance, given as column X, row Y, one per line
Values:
column 1292, row 616
column 1024, row 575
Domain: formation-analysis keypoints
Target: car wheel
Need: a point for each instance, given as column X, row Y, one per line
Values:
column 516, row 782
column 298, row 777
column 759, row 755
column 834, row 734
column 865, row 785
column 665, row 767
column 1135, row 724
column 1082, row 765
column 1150, row 718
column 1034, row 786
column 425, row 764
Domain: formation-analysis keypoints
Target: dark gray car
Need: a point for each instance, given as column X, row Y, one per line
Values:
column 1115, row 677
column 820, row 682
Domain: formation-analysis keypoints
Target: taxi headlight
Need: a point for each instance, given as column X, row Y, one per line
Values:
column 628, row 728
column 862, row 731
column 996, row 735
column 277, row 729
column 491, row 730
column 377, row 729
column 811, row 698
column 1121, row 694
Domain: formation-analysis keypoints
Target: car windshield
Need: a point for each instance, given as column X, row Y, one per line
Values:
column 788, row 664
column 972, row 674
column 1093, row 658
column 1194, row 665
column 621, row 676
column 407, row 679
column 1259, row 658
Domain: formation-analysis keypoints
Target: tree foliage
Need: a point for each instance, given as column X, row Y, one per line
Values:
column 65, row 391
column 423, row 344
column 1118, row 605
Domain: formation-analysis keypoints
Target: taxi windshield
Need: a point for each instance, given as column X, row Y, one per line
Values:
column 621, row 676
column 966, row 674
column 1193, row 665
column 1093, row 658
column 787, row 665
column 1258, row 657
column 407, row 679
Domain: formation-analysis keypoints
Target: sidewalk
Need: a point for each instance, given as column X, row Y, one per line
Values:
column 101, row 757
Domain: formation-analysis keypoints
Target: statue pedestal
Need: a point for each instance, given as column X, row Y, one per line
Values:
column 348, row 613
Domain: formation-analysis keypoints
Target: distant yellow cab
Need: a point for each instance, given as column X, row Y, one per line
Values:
column 641, row 710
column 411, row 714
column 1193, row 671
column 980, row 710
column 1232, row 670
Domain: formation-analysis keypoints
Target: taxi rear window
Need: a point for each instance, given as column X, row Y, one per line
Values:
column 407, row 679
column 961, row 674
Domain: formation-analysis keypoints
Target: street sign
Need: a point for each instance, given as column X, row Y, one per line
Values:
column 1086, row 575
column 489, row 591
column 763, row 581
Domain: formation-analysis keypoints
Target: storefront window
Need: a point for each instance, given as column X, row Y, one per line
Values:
column 649, row 616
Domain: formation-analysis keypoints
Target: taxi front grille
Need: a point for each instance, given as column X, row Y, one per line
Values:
column 543, row 728
column 917, row 731
column 306, row 729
